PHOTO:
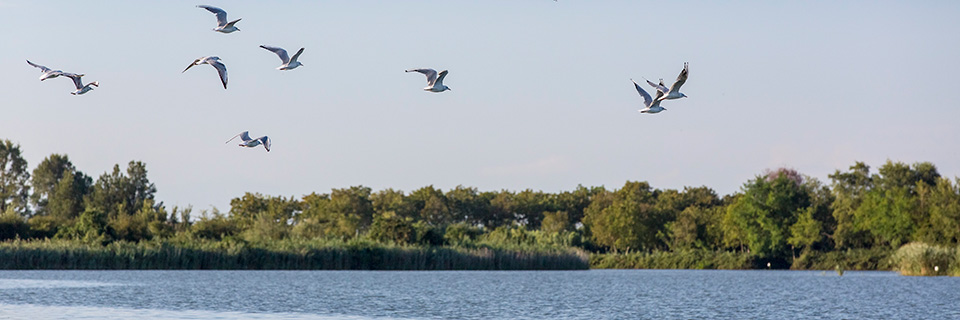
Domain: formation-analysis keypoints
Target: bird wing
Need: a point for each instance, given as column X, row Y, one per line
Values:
column 231, row 23
column 245, row 136
column 191, row 65
column 430, row 73
column 76, row 79
column 222, row 70
column 647, row 101
column 42, row 68
column 280, row 52
column 681, row 79
column 297, row 55
column 221, row 15
column 266, row 142
column 660, row 87
column 443, row 74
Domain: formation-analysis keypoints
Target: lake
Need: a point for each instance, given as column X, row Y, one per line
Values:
column 594, row 294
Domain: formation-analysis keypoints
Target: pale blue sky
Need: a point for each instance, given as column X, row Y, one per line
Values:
column 541, row 93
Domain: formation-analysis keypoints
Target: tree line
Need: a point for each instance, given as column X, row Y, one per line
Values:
column 779, row 215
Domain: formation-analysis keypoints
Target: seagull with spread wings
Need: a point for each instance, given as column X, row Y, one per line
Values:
column 434, row 80
column 81, row 88
column 674, row 91
column 250, row 143
column 222, row 25
column 288, row 62
column 46, row 73
column 216, row 63
column 652, row 104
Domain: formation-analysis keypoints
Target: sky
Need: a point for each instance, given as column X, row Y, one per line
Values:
column 541, row 95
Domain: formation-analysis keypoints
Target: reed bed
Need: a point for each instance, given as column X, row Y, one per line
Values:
column 685, row 259
column 283, row 255
column 921, row 259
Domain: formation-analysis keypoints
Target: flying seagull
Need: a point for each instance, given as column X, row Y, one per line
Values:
column 434, row 82
column 674, row 91
column 215, row 62
column 46, row 73
column 288, row 63
column 250, row 143
column 652, row 105
column 81, row 88
column 222, row 24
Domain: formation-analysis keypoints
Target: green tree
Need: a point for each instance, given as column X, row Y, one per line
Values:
column 769, row 206
column 942, row 225
column 886, row 215
column 214, row 226
column 66, row 201
column 467, row 205
column 45, row 179
column 806, row 231
column 629, row 222
column 500, row 212
column 432, row 206
column 117, row 192
column 391, row 228
column 575, row 202
column 697, row 227
column 90, row 227
column 263, row 217
column 13, row 225
column 343, row 214
column 529, row 206
column 14, row 178
column 395, row 201
column 849, row 189
column 555, row 222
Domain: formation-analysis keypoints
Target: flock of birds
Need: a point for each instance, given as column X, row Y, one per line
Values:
column 434, row 78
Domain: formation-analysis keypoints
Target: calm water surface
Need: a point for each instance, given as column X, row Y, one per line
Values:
column 595, row 294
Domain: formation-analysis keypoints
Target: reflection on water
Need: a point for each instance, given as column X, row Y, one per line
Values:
column 594, row 294
column 35, row 312
column 32, row 283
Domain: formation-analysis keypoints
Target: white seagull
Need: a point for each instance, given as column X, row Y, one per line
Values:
column 46, row 73
column 674, row 91
column 434, row 82
column 222, row 24
column 288, row 63
column 81, row 88
column 215, row 62
column 652, row 105
column 250, row 143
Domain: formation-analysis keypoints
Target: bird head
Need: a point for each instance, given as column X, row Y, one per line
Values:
column 683, row 95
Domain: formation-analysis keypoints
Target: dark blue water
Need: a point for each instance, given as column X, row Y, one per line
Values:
column 596, row 294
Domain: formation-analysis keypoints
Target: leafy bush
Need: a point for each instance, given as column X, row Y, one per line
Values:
column 921, row 259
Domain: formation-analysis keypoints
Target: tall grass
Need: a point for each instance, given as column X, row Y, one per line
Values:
column 685, row 259
column 921, row 259
column 287, row 254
